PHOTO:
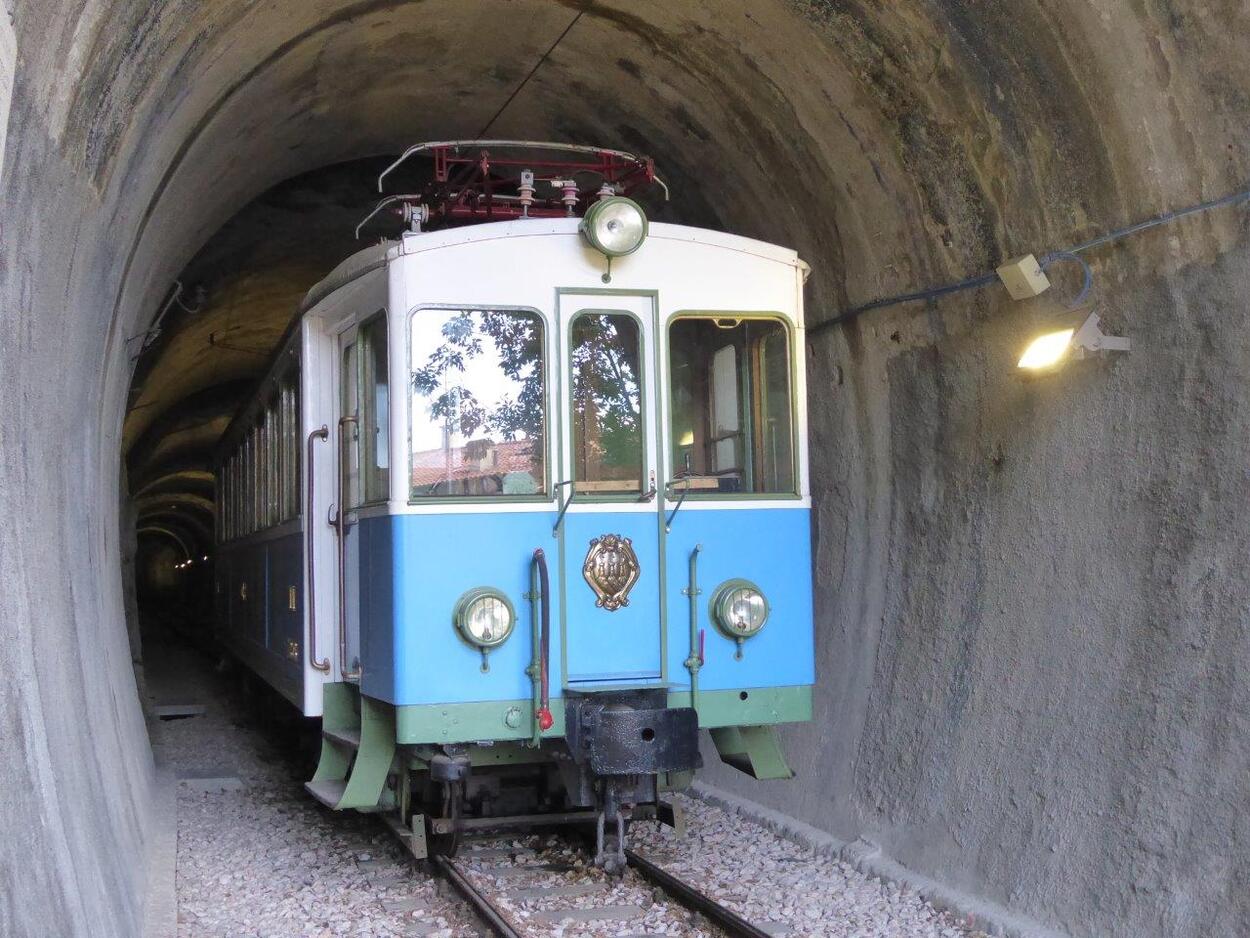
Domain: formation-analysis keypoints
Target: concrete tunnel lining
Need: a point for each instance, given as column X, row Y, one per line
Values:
column 893, row 148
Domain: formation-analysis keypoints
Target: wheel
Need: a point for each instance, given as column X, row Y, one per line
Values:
column 450, row 809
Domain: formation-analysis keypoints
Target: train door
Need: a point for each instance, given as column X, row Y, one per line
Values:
column 350, row 497
column 611, row 562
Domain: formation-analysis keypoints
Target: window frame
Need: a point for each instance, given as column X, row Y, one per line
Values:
column 566, row 409
column 546, row 494
column 672, row 487
column 366, row 402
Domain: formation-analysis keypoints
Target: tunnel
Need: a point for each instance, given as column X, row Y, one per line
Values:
column 1030, row 594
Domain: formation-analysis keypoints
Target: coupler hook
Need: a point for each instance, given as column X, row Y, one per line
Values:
column 614, row 862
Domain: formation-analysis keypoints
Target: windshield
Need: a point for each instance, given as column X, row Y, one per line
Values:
column 478, row 404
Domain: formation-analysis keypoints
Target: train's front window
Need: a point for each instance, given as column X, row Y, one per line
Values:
column 732, row 415
column 478, row 404
column 607, row 404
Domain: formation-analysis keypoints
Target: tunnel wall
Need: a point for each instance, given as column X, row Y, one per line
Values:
column 75, row 770
column 1030, row 610
column 1030, row 595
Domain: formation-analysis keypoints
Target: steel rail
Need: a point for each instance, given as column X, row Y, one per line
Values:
column 481, row 905
column 693, row 899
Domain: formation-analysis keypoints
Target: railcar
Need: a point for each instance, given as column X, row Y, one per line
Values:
column 522, row 503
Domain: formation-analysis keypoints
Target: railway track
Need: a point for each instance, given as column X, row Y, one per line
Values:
column 537, row 885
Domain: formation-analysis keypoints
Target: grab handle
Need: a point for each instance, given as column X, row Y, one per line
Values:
column 540, row 668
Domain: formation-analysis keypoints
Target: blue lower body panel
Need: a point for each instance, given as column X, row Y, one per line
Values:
column 260, row 608
column 414, row 568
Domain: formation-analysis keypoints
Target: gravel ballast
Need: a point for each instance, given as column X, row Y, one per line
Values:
column 257, row 856
column 785, row 888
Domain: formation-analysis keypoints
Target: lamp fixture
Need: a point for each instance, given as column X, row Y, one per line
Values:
column 1052, row 349
column 615, row 226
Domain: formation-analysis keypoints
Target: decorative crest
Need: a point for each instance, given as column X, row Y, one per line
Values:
column 611, row 569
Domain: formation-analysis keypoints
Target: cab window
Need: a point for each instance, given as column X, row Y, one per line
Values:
column 732, row 406
column 606, row 404
column 478, row 404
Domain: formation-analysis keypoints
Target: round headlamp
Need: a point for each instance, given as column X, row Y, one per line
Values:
column 484, row 617
column 615, row 226
column 739, row 609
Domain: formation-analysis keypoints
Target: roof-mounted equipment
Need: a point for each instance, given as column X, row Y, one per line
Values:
column 502, row 180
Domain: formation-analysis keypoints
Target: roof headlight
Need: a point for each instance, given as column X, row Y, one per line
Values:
column 739, row 610
column 484, row 618
column 615, row 226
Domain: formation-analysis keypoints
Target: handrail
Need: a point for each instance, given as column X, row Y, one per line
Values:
column 542, row 712
column 321, row 433
column 668, row 525
column 534, row 671
column 555, row 490
column 340, row 525
column 695, row 661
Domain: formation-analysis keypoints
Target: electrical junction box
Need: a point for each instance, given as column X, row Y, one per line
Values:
column 1024, row 277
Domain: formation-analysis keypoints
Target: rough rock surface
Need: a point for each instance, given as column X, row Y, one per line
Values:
column 1031, row 605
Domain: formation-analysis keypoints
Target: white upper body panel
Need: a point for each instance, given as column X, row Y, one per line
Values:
column 529, row 264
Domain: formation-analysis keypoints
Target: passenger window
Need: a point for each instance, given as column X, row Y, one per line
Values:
column 732, row 407
column 350, row 431
column 375, row 430
column 479, row 402
column 606, row 380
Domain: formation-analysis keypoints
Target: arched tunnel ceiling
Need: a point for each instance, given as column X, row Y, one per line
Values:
column 885, row 144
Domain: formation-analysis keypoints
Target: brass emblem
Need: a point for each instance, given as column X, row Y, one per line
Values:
column 611, row 569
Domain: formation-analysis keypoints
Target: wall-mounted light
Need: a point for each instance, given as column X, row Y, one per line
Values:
column 1054, row 348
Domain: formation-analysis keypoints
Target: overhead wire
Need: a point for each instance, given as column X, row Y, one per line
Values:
column 526, row 80
column 1072, row 253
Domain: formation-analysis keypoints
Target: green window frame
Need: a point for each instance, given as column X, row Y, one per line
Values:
column 598, row 449
column 726, row 426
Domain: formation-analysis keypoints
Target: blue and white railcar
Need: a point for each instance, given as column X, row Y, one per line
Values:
column 553, row 519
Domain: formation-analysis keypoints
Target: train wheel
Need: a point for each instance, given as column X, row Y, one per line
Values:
column 446, row 844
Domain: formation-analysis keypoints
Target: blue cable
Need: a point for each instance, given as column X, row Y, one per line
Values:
column 1050, row 259
column 973, row 283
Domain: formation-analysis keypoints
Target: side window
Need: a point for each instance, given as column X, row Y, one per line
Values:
column 732, row 409
column 606, row 380
column 349, row 435
column 375, row 443
column 478, row 414
column 290, row 399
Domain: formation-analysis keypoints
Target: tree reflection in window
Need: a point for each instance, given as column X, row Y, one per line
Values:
column 478, row 403
column 607, row 404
